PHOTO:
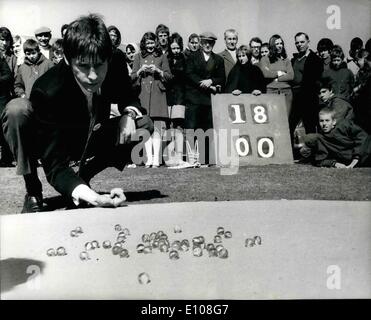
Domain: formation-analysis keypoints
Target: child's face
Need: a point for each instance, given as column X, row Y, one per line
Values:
column 175, row 48
column 58, row 55
column 325, row 94
column 324, row 54
column 32, row 55
column 150, row 46
column 242, row 57
column 130, row 54
column 326, row 122
column 336, row 62
column 264, row 51
column 17, row 48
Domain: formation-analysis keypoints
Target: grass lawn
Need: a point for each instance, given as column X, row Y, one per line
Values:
column 142, row 185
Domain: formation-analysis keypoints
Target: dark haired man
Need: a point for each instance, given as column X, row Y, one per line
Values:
column 67, row 119
column 255, row 45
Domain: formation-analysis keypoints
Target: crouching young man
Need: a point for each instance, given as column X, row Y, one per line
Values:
column 68, row 118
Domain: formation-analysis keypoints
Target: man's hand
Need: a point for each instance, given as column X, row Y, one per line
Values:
column 83, row 193
column 339, row 165
column 127, row 129
column 206, row 83
column 236, row 92
column 281, row 73
column 305, row 151
column 115, row 199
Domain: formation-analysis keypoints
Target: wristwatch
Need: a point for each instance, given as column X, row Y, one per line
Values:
column 130, row 113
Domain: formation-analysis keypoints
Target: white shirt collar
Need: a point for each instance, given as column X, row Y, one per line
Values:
column 206, row 56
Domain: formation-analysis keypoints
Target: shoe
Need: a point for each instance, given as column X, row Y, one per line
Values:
column 32, row 204
column 155, row 166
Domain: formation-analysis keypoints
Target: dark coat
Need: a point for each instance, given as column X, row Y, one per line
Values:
column 362, row 106
column 246, row 78
column 6, row 81
column 63, row 119
column 175, row 93
column 228, row 61
column 343, row 109
column 27, row 74
column 198, row 69
column 313, row 68
column 345, row 142
column 342, row 80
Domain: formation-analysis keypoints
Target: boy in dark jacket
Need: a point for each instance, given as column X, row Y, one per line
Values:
column 35, row 65
column 69, row 120
column 339, row 74
column 341, row 144
column 343, row 109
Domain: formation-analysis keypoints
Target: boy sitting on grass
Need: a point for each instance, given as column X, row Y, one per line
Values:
column 341, row 144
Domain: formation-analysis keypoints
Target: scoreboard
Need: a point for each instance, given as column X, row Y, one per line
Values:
column 255, row 129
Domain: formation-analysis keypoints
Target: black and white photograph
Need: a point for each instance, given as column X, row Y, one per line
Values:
column 200, row 150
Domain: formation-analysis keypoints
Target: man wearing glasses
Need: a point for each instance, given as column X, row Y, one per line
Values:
column 255, row 45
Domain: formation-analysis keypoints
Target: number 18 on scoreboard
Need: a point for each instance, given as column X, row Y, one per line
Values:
column 257, row 127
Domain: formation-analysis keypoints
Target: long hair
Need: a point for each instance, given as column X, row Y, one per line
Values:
column 177, row 38
column 87, row 37
column 247, row 51
column 273, row 54
column 7, row 36
column 149, row 36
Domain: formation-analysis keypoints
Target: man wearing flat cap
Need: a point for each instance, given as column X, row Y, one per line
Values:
column 205, row 75
column 43, row 36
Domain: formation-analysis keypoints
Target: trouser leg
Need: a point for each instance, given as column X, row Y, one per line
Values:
column 296, row 114
column 18, row 128
column 17, row 122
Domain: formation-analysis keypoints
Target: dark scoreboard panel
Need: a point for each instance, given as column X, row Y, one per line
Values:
column 255, row 129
